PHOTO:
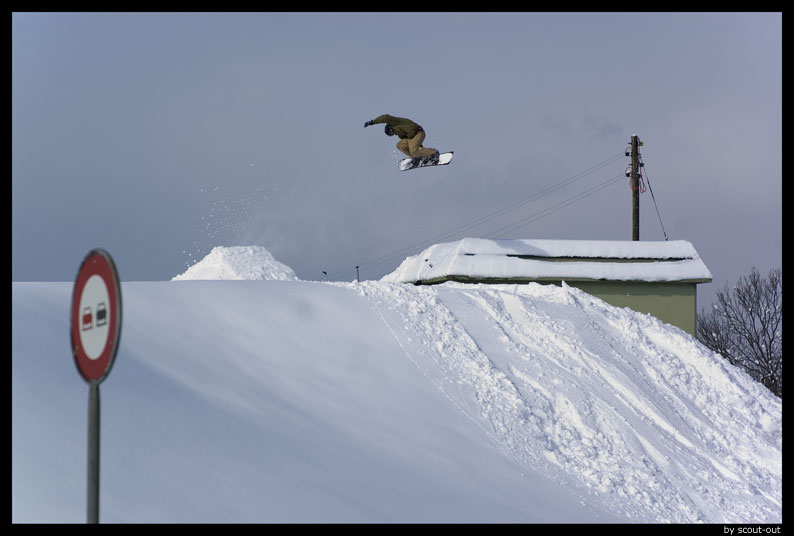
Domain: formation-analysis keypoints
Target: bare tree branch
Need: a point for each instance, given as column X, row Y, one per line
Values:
column 746, row 327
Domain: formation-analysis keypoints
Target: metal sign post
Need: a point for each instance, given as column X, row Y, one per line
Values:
column 95, row 331
column 92, row 508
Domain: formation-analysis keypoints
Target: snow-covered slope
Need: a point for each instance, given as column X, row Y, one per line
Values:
column 259, row 401
column 654, row 426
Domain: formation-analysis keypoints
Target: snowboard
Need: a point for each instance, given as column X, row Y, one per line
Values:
column 422, row 161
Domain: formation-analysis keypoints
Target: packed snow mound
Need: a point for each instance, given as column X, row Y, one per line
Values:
column 653, row 425
column 238, row 263
column 302, row 401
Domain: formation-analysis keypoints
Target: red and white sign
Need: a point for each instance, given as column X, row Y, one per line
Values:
column 96, row 316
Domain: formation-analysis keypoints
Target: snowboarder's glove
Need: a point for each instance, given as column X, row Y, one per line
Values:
column 368, row 123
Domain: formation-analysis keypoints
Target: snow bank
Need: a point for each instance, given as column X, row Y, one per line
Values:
column 627, row 412
column 295, row 401
column 238, row 263
column 475, row 257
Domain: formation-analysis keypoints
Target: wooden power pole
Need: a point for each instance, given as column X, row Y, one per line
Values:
column 635, row 187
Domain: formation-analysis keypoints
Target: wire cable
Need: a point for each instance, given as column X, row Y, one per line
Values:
column 654, row 199
column 488, row 217
column 554, row 208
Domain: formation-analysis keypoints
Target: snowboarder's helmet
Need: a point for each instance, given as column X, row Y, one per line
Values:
column 388, row 130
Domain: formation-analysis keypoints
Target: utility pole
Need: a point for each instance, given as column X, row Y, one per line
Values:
column 635, row 187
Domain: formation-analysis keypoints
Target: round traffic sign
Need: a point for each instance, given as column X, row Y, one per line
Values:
column 96, row 316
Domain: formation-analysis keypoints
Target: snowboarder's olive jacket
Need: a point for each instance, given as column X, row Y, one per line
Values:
column 404, row 128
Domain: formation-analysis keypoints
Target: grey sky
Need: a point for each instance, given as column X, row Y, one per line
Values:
column 159, row 136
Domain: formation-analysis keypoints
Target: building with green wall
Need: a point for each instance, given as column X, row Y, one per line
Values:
column 659, row 278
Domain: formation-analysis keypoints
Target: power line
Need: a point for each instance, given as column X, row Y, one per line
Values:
column 513, row 206
column 488, row 217
column 654, row 199
column 559, row 206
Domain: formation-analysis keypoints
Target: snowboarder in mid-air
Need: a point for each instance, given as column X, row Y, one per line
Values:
column 411, row 137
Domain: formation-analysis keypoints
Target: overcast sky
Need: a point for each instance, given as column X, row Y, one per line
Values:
column 158, row 136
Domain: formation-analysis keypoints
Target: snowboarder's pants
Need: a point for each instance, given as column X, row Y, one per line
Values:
column 413, row 146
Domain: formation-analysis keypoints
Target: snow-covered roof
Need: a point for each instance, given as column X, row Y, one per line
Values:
column 573, row 260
